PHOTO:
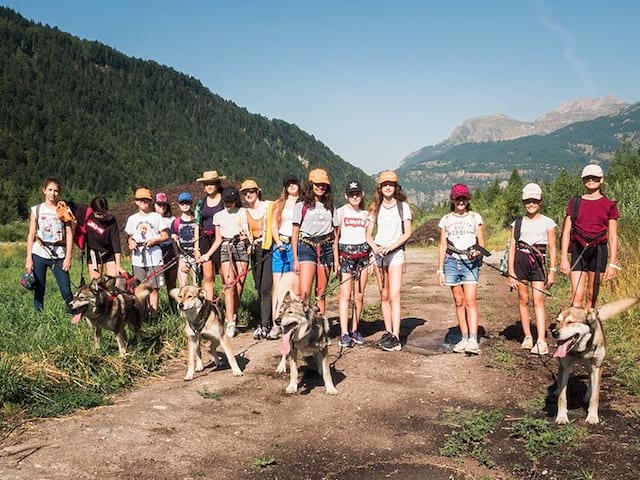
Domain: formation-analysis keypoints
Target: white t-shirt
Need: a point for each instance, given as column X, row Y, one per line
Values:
column 50, row 230
column 286, row 222
column 461, row 230
column 317, row 221
column 535, row 231
column 143, row 227
column 389, row 223
column 352, row 224
column 231, row 223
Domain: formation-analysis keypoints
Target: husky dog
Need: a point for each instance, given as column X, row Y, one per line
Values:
column 579, row 335
column 111, row 309
column 203, row 319
column 305, row 331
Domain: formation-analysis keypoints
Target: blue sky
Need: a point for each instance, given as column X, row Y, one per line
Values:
column 375, row 80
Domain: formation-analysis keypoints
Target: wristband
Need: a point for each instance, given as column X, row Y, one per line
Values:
column 617, row 267
column 439, row 271
column 553, row 269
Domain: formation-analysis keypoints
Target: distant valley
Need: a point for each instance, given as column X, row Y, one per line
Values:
column 484, row 149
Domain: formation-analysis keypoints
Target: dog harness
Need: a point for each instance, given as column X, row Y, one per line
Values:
column 198, row 323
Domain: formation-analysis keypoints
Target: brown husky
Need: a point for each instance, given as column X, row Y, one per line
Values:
column 580, row 337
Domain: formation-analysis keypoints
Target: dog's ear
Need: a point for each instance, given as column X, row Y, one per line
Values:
column 174, row 293
column 94, row 285
column 202, row 294
column 287, row 297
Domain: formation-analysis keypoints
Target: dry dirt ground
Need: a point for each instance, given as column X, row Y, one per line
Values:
column 389, row 419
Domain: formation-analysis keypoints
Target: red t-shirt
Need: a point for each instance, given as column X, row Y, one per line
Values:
column 594, row 215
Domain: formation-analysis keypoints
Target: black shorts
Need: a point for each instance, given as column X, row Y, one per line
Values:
column 205, row 244
column 528, row 267
column 100, row 258
column 594, row 259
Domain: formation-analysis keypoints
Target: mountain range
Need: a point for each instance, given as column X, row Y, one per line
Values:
column 485, row 149
column 105, row 123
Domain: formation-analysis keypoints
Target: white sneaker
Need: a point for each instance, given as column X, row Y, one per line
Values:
column 527, row 343
column 275, row 333
column 257, row 334
column 472, row 347
column 460, row 346
column 540, row 348
column 231, row 329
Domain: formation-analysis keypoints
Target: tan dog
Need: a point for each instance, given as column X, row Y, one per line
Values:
column 580, row 337
column 203, row 320
column 305, row 332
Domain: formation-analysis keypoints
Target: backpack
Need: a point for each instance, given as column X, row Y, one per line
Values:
column 80, row 232
column 504, row 261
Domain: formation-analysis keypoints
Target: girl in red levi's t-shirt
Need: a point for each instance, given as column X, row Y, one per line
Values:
column 592, row 241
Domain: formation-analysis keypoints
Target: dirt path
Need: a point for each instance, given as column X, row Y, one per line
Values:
column 388, row 420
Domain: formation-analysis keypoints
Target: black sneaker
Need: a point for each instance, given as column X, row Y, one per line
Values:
column 384, row 338
column 391, row 344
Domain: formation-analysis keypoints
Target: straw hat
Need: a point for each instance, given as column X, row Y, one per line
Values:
column 249, row 184
column 210, row 176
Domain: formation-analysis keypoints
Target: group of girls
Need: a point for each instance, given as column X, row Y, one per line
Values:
column 303, row 232
column 589, row 237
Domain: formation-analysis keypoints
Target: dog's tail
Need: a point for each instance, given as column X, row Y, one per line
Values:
column 142, row 291
column 615, row 308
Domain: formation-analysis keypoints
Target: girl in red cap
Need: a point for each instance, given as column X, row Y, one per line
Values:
column 459, row 264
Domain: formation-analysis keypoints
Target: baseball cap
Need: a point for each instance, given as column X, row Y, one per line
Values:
column 161, row 197
column 185, row 197
column 460, row 190
column 143, row 194
column 592, row 170
column 290, row 179
column 230, row 194
column 319, row 175
column 353, row 186
column 387, row 176
column 532, row 190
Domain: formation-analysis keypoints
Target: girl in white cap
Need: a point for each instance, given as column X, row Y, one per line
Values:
column 590, row 226
column 533, row 239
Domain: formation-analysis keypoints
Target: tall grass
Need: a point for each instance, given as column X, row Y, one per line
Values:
column 49, row 366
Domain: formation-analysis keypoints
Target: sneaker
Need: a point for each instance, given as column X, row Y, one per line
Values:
column 527, row 343
column 391, row 344
column 258, row 334
column 231, row 329
column 384, row 338
column 540, row 348
column 274, row 333
column 460, row 346
column 346, row 341
column 472, row 347
column 357, row 337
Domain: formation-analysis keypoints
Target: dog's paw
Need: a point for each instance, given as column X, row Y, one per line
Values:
column 331, row 390
column 281, row 369
column 237, row 373
column 562, row 419
column 199, row 367
column 292, row 388
column 593, row 419
column 188, row 377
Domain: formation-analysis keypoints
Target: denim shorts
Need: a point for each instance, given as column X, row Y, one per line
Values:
column 307, row 254
column 282, row 261
column 459, row 271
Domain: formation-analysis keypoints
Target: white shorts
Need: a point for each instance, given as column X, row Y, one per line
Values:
column 390, row 259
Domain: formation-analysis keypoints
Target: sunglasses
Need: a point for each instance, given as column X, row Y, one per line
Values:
column 184, row 203
column 461, row 199
column 387, row 184
column 250, row 191
column 531, row 200
column 354, row 194
column 146, row 200
column 207, row 184
column 591, row 178
column 321, row 185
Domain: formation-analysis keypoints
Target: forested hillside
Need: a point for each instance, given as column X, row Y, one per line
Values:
column 104, row 123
